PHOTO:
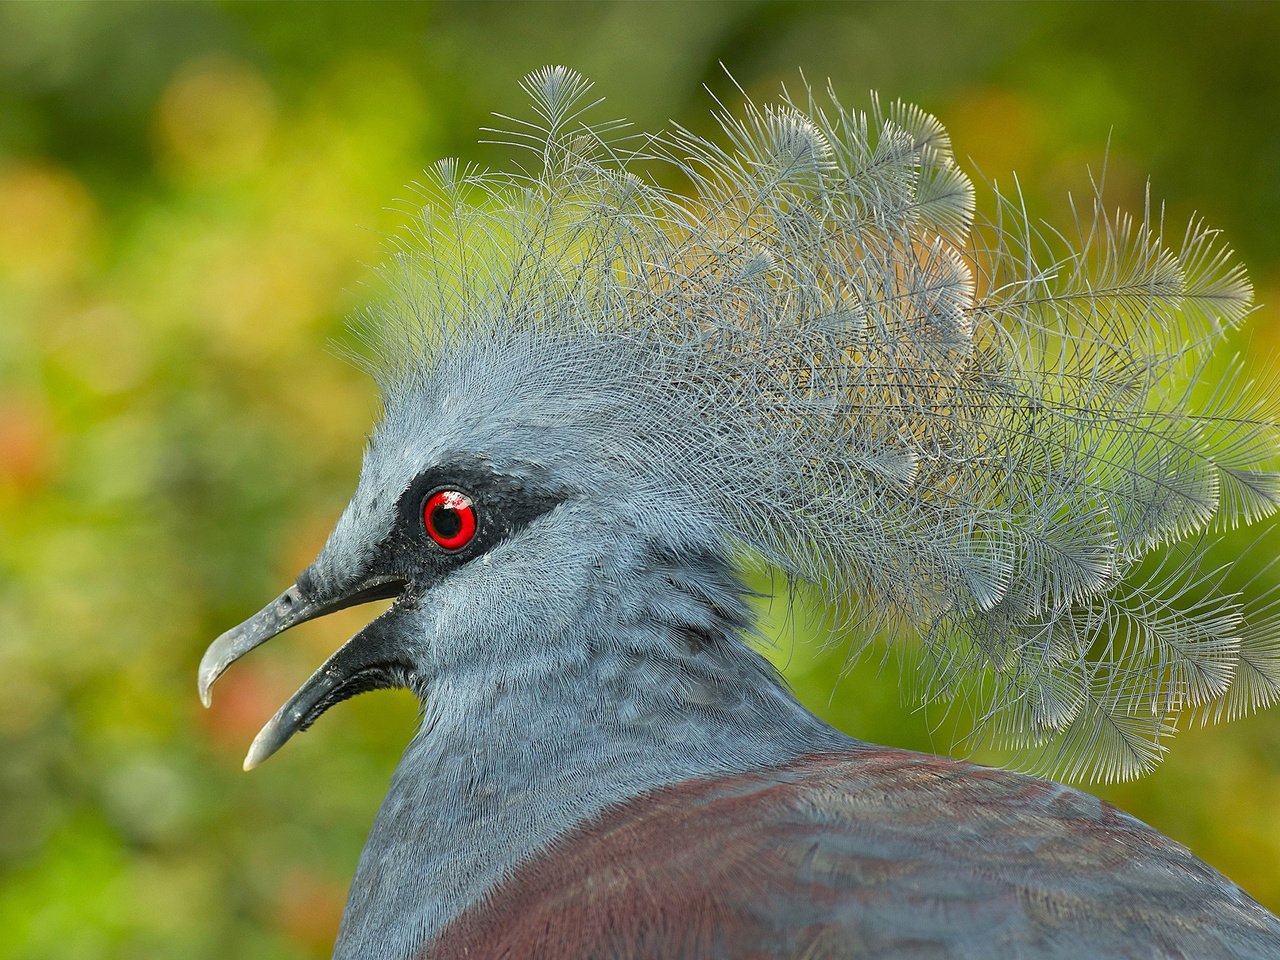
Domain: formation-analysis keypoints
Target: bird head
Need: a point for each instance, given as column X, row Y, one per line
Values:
column 498, row 499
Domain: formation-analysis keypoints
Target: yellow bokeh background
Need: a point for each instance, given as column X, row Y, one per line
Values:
column 191, row 200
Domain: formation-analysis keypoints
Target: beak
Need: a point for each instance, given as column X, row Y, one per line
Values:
column 368, row 661
column 349, row 671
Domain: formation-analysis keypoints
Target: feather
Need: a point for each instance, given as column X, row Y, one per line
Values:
column 973, row 429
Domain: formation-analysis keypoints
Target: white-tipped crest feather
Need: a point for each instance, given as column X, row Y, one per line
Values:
column 974, row 430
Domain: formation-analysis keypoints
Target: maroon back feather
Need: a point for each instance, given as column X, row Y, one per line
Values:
column 872, row 853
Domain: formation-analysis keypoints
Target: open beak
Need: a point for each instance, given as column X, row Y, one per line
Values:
column 367, row 661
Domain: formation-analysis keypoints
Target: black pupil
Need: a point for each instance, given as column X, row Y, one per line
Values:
column 445, row 521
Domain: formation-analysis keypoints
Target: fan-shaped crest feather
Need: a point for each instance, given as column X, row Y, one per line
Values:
column 972, row 429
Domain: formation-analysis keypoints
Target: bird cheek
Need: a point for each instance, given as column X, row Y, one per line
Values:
column 443, row 628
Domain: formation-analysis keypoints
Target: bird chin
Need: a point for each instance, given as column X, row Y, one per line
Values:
column 371, row 660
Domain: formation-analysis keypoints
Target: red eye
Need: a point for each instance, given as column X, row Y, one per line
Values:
column 450, row 519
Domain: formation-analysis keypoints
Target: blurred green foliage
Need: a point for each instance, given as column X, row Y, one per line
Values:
column 190, row 197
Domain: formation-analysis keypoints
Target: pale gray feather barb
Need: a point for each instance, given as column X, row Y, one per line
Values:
column 974, row 430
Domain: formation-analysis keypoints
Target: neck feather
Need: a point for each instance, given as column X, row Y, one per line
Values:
column 498, row 770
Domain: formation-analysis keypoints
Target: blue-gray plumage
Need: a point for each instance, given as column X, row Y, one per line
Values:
column 606, row 401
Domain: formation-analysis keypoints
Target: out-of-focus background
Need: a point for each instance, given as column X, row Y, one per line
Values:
column 191, row 197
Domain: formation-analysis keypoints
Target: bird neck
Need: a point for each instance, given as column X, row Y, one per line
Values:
column 499, row 768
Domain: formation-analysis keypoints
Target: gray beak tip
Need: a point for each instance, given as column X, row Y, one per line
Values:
column 269, row 739
column 250, row 760
column 204, row 683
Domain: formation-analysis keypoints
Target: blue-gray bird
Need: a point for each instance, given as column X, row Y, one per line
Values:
column 609, row 400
